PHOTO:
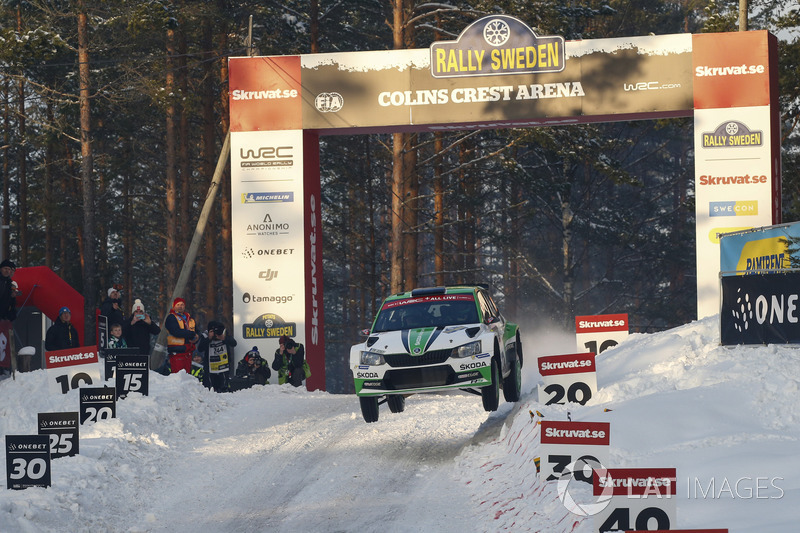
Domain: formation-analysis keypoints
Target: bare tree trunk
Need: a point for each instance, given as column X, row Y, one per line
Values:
column 225, row 245
column 22, row 171
column 208, row 163
column 6, row 251
column 404, row 192
column 89, row 292
column 438, row 202
column 314, row 16
column 171, row 171
column 49, row 162
column 185, row 226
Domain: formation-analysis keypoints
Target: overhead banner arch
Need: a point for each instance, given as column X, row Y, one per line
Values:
column 498, row 74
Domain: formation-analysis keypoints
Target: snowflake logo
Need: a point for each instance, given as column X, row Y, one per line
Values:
column 269, row 323
column 496, row 32
column 742, row 312
column 731, row 128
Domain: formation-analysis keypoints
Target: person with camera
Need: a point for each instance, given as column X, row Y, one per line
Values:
column 138, row 331
column 216, row 349
column 252, row 370
column 289, row 358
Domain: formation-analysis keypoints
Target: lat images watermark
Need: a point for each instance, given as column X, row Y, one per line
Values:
column 742, row 488
column 574, row 488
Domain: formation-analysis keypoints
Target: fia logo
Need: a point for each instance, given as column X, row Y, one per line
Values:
column 268, row 275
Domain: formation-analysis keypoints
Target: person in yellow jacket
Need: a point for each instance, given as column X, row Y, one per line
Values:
column 182, row 337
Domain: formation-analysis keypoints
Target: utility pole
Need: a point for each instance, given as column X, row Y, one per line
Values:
column 742, row 15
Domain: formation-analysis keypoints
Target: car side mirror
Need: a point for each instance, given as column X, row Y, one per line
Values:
column 365, row 332
column 490, row 320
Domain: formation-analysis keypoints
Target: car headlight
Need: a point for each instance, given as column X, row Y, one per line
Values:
column 372, row 358
column 467, row 350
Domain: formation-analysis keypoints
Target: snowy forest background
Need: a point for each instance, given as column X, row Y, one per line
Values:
column 114, row 113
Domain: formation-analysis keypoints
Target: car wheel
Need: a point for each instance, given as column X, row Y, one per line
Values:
column 369, row 408
column 519, row 350
column 513, row 383
column 490, row 394
column 397, row 403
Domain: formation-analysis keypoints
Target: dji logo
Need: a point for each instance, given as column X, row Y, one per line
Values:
column 268, row 275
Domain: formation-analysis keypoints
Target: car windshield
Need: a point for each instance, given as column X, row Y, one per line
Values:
column 426, row 312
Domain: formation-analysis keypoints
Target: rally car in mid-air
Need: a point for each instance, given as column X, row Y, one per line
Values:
column 436, row 339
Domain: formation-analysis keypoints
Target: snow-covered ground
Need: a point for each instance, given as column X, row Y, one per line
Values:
column 280, row 459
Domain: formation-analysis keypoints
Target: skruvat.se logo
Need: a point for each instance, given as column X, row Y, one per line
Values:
column 495, row 45
column 732, row 134
column 268, row 326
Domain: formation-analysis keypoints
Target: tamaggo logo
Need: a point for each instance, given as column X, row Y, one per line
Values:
column 267, row 197
column 329, row 102
column 732, row 134
column 266, row 156
column 248, row 298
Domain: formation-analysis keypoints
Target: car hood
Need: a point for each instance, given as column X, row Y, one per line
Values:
column 418, row 341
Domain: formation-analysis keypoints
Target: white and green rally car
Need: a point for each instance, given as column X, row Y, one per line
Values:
column 435, row 339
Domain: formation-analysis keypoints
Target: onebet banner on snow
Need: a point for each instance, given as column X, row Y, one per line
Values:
column 737, row 146
column 497, row 74
column 640, row 499
column 567, row 378
column 573, row 449
column 72, row 368
column 598, row 333
column 760, row 309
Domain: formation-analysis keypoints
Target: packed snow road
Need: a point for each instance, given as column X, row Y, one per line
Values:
column 270, row 458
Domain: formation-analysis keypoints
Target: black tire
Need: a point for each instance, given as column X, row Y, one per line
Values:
column 490, row 394
column 519, row 349
column 397, row 403
column 512, row 385
column 369, row 408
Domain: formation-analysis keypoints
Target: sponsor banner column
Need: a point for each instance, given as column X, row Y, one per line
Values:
column 737, row 164
column 267, row 239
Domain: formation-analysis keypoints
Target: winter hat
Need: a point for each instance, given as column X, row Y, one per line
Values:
column 8, row 263
column 283, row 339
column 178, row 300
column 137, row 306
column 64, row 310
column 252, row 354
column 112, row 289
